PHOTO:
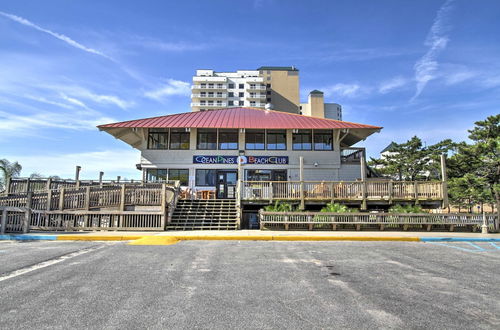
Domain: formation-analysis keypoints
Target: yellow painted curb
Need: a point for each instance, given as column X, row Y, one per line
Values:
column 155, row 240
column 177, row 238
column 344, row 238
column 96, row 238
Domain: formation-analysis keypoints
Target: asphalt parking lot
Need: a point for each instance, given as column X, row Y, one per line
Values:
column 231, row 284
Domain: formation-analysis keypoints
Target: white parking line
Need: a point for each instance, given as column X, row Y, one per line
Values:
column 47, row 263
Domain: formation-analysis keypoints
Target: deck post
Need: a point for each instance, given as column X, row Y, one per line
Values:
column 363, row 180
column 101, row 174
column 164, row 205
column 61, row 198
column 4, row 221
column 28, row 181
column 444, row 182
column 301, row 178
column 27, row 214
column 7, row 186
column 332, row 185
column 271, row 192
column 391, row 191
column 48, row 184
column 49, row 199
column 415, row 190
column 77, row 176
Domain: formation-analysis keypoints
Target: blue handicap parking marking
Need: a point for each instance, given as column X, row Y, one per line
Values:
column 469, row 246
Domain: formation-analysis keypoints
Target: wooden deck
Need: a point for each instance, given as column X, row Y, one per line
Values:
column 387, row 192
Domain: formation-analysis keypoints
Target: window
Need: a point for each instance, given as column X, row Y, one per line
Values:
column 203, row 85
column 231, row 86
column 219, row 94
column 323, row 140
column 268, row 85
column 241, row 94
column 230, row 102
column 241, row 103
column 266, row 175
column 203, row 102
column 156, row 175
column 180, row 175
column 268, row 92
column 205, row 178
column 158, row 138
column 268, row 100
column 241, row 86
column 252, row 86
column 252, row 95
column 219, row 86
column 219, row 103
column 302, row 140
column 207, row 139
column 210, row 102
column 276, row 139
column 203, row 94
column 210, row 85
column 252, row 103
column 228, row 139
column 230, row 94
column 255, row 139
column 210, row 94
column 179, row 139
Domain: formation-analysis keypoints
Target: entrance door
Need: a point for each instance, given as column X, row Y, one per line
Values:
column 226, row 184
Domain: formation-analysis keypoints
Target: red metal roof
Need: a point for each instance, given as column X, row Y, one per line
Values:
column 238, row 118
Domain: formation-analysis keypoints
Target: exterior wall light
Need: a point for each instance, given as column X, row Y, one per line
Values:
column 316, row 164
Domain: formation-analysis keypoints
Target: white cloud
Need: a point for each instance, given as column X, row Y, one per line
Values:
column 72, row 100
column 165, row 46
column 113, row 162
column 59, row 36
column 26, row 125
column 459, row 77
column 171, row 88
column 389, row 85
column 346, row 90
column 437, row 40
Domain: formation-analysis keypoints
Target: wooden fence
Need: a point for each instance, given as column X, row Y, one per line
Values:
column 333, row 221
column 342, row 190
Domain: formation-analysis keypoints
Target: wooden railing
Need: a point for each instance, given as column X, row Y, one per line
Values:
column 341, row 190
column 25, row 185
column 90, row 208
column 150, row 194
column 331, row 221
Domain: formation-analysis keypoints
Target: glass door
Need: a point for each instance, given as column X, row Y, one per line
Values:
column 226, row 184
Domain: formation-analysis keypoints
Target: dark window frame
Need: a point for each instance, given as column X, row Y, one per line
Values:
column 210, row 131
column 183, row 182
column 151, row 138
column 300, row 136
column 224, row 133
column 206, row 179
column 328, row 134
column 183, row 136
column 271, row 135
column 255, row 132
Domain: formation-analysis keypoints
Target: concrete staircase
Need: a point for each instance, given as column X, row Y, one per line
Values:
column 213, row 214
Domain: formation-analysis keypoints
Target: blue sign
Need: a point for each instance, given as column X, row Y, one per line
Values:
column 260, row 160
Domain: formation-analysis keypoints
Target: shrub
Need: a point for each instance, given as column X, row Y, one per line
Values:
column 280, row 206
column 406, row 209
column 336, row 208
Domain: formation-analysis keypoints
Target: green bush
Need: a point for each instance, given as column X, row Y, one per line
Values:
column 280, row 206
column 337, row 208
column 406, row 209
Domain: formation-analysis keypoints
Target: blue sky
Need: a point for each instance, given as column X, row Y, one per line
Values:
column 426, row 68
